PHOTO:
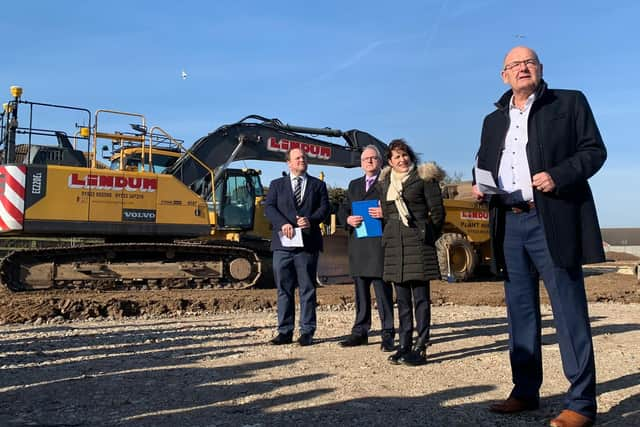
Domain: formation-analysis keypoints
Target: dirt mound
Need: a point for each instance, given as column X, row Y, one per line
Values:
column 621, row 256
column 53, row 306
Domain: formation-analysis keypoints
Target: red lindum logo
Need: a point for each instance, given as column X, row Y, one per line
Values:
column 112, row 182
column 312, row 150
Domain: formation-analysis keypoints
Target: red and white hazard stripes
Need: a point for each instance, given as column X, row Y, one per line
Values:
column 12, row 181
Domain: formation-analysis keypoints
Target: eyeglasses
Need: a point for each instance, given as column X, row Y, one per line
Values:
column 369, row 159
column 516, row 64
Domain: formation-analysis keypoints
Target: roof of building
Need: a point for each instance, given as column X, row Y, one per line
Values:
column 621, row 236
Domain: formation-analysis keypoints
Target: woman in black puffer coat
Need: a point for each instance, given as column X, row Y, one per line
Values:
column 413, row 218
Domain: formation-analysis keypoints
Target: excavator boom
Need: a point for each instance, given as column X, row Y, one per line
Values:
column 257, row 138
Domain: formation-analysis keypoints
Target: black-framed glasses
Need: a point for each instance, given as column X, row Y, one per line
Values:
column 369, row 159
column 516, row 64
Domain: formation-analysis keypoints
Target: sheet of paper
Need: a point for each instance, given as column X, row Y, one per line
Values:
column 294, row 242
column 361, row 230
column 486, row 184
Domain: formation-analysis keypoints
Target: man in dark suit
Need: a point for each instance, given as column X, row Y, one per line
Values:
column 366, row 257
column 542, row 145
column 296, row 203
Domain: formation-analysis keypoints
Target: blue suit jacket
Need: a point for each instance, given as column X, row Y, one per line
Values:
column 281, row 209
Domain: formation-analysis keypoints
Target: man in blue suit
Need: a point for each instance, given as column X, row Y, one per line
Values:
column 296, row 203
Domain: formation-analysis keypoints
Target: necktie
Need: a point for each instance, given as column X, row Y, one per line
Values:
column 297, row 190
column 369, row 183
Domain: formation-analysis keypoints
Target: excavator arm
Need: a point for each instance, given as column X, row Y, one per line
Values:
column 257, row 138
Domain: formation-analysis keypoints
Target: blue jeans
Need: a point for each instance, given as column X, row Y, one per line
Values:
column 527, row 260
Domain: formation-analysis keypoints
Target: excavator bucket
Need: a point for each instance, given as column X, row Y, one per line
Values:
column 333, row 264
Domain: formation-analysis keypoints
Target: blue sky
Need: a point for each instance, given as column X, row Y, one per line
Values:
column 426, row 71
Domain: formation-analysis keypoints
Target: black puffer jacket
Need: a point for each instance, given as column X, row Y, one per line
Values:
column 410, row 252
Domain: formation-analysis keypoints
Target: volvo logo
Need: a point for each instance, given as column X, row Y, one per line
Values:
column 139, row 215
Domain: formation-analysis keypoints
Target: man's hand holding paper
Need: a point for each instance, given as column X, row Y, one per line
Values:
column 486, row 184
column 293, row 240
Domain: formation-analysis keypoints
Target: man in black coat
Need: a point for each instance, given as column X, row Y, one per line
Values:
column 296, row 203
column 366, row 257
column 542, row 145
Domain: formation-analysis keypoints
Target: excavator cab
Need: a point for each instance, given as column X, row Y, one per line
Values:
column 233, row 204
column 234, row 201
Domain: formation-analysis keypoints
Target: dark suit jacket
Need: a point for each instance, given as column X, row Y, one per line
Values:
column 281, row 209
column 365, row 255
column 565, row 142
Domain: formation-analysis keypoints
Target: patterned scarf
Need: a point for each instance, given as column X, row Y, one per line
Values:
column 395, row 193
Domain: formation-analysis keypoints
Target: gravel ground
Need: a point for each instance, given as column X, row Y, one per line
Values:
column 217, row 370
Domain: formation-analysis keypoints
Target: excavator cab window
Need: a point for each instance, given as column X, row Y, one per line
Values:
column 161, row 163
column 235, row 201
column 257, row 185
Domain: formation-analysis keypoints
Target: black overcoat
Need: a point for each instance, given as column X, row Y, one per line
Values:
column 564, row 141
column 365, row 254
column 410, row 252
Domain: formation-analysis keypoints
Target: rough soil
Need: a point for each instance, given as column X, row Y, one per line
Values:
column 41, row 307
column 200, row 358
column 217, row 370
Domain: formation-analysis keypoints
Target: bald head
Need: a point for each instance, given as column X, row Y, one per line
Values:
column 522, row 71
column 520, row 50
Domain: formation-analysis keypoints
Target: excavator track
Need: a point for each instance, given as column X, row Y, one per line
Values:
column 132, row 266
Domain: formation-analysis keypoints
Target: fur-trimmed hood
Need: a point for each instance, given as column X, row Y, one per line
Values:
column 427, row 171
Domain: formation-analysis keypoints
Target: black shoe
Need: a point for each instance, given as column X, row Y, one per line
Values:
column 396, row 357
column 305, row 340
column 513, row 405
column 282, row 339
column 387, row 344
column 354, row 341
column 416, row 357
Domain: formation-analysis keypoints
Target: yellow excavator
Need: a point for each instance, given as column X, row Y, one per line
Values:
column 168, row 217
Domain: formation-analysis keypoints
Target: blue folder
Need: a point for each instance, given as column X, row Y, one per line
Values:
column 370, row 227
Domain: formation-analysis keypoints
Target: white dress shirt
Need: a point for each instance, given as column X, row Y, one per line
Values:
column 514, row 175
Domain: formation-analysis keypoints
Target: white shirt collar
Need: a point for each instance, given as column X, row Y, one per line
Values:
column 527, row 104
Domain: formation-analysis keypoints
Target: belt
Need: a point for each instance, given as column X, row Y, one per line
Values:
column 522, row 207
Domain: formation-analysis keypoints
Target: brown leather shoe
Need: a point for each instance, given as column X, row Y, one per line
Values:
column 513, row 406
column 569, row 418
